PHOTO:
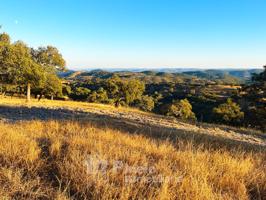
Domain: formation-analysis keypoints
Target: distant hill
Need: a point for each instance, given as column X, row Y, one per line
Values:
column 223, row 76
column 244, row 74
column 228, row 75
column 216, row 75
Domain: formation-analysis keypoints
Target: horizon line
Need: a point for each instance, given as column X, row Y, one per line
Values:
column 158, row 68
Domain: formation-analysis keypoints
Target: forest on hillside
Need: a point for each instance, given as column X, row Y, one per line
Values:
column 210, row 96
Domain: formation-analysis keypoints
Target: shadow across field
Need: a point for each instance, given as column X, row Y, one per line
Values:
column 23, row 113
column 132, row 126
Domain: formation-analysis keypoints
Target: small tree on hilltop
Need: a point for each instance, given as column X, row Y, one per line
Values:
column 181, row 109
column 229, row 112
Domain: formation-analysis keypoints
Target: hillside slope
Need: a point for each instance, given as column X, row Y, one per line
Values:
column 72, row 150
column 128, row 119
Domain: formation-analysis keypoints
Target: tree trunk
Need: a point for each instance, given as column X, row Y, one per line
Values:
column 52, row 97
column 28, row 92
column 40, row 97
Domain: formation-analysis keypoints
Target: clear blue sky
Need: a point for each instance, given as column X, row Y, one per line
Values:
column 143, row 33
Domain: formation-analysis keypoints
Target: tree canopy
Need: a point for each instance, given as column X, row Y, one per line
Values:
column 180, row 109
column 255, row 101
column 49, row 57
column 25, row 66
column 229, row 112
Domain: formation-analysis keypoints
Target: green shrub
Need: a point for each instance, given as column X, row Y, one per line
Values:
column 146, row 103
column 180, row 109
column 80, row 93
column 229, row 112
column 99, row 96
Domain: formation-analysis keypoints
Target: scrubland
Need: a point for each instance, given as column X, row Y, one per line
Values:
column 80, row 159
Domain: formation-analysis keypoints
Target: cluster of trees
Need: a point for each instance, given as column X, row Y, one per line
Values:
column 179, row 100
column 23, row 69
column 115, row 91
column 251, row 110
column 254, row 101
column 132, row 93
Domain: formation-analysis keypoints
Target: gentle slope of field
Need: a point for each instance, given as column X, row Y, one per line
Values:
column 127, row 119
column 71, row 150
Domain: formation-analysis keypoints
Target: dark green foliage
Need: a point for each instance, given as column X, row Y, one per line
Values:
column 258, row 87
column 66, row 90
column 124, row 91
column 229, row 113
column 181, row 109
column 254, row 99
column 9, row 89
column 99, row 96
column 132, row 90
column 52, row 86
column 256, row 116
column 80, row 93
column 20, row 65
column 17, row 66
column 49, row 57
column 146, row 103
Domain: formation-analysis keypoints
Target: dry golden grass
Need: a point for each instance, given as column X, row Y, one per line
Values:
column 125, row 118
column 53, row 159
column 65, row 104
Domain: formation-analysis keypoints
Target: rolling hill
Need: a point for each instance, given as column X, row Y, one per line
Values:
column 226, row 76
column 75, row 150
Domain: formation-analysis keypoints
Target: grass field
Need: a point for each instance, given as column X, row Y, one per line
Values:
column 77, row 158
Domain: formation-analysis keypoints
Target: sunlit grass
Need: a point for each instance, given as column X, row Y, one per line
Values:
column 64, row 104
column 48, row 160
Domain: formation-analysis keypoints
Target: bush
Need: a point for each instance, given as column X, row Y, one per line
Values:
column 146, row 103
column 181, row 109
column 99, row 97
column 228, row 112
column 66, row 90
column 132, row 90
column 80, row 93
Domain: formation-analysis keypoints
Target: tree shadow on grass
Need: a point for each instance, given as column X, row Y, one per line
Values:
column 131, row 126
